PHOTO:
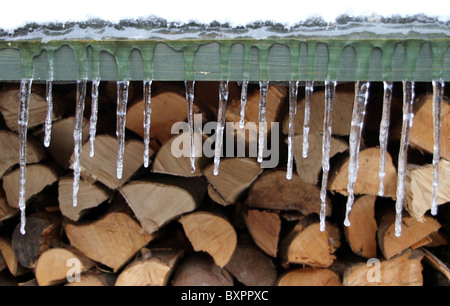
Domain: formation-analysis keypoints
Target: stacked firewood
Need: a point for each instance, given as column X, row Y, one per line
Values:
column 248, row 225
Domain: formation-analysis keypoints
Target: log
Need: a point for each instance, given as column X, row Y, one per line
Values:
column 210, row 233
column 200, row 270
column 367, row 179
column 306, row 244
column 93, row 278
column 436, row 263
column 273, row 191
column 42, row 232
column 9, row 151
column 418, row 188
column 10, row 258
column 38, row 177
column 341, row 116
column 89, row 196
column 154, row 268
column 102, row 167
column 309, row 277
column 6, row 211
column 158, row 201
column 309, row 169
column 402, row 270
column 252, row 267
column 361, row 235
column 111, row 240
column 59, row 265
column 235, row 176
column 413, row 231
column 264, row 228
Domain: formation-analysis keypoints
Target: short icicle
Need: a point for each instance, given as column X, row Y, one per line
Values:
column 121, row 113
column 94, row 116
column 147, row 120
column 48, row 116
column 77, row 138
column 223, row 99
column 25, row 90
column 408, row 114
column 359, row 110
column 330, row 90
column 244, row 91
column 384, row 132
column 309, row 87
column 293, row 90
column 438, row 92
column 190, row 86
column 263, row 88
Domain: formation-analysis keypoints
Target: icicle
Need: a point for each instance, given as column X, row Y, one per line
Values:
column 408, row 100
column 122, row 100
column 147, row 119
column 330, row 89
column 309, row 87
column 190, row 85
column 293, row 89
column 48, row 116
column 77, row 138
column 438, row 92
column 359, row 110
column 25, row 90
column 223, row 99
column 244, row 90
column 384, row 131
column 93, row 118
column 263, row 87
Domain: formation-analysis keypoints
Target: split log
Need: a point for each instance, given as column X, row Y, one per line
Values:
column 436, row 263
column 3, row 265
column 264, row 228
column 38, row 177
column 163, row 199
column 273, row 191
column 413, row 231
column 235, row 176
column 153, row 269
column 58, row 265
column 6, row 211
column 89, row 196
column 9, row 150
column 102, row 166
column 111, row 240
column 212, row 234
column 419, row 184
column 309, row 277
column 309, row 168
column 341, row 115
column 9, row 107
column 367, row 180
column 307, row 245
column 361, row 235
column 252, row 267
column 401, row 270
column 10, row 258
column 200, row 270
column 93, row 278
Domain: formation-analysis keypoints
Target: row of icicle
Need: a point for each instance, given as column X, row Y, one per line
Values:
column 360, row 102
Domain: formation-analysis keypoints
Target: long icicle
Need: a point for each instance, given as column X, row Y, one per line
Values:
column 263, row 88
column 121, row 113
column 408, row 101
column 384, row 132
column 309, row 87
column 330, row 90
column 223, row 99
column 77, row 138
column 94, row 116
column 48, row 116
column 25, row 90
column 293, row 90
column 438, row 92
column 244, row 91
column 359, row 110
column 190, row 85
column 147, row 119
